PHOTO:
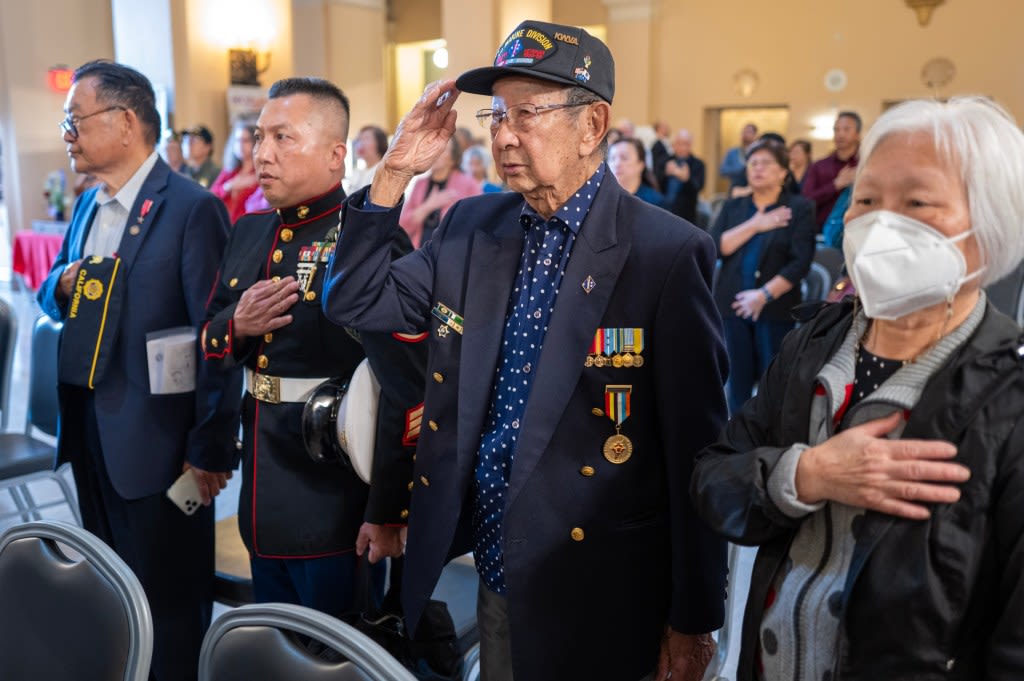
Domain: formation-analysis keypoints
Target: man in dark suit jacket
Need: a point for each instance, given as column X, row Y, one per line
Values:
column 126, row 445
column 684, row 177
column 576, row 368
column 660, row 153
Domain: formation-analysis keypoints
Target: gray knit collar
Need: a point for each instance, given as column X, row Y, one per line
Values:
column 904, row 387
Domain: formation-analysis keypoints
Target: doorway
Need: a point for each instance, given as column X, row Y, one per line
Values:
column 724, row 126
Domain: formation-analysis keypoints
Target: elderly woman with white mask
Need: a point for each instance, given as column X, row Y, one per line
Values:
column 880, row 467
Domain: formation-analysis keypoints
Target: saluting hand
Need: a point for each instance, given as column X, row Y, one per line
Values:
column 263, row 307
column 421, row 137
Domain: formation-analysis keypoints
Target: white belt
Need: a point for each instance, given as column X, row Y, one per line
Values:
column 275, row 389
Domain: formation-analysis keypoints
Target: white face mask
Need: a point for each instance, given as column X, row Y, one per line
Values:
column 900, row 265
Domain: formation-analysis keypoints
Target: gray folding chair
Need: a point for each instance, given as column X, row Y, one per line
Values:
column 8, row 342
column 816, row 284
column 257, row 642
column 70, row 615
column 23, row 457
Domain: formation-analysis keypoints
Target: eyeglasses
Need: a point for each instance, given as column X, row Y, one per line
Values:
column 520, row 117
column 70, row 123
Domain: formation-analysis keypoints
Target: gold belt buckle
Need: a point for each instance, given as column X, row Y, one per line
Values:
column 266, row 388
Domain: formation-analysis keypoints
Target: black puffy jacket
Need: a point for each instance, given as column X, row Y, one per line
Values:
column 935, row 599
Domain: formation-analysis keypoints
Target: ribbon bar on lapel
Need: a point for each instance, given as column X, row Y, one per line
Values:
column 449, row 317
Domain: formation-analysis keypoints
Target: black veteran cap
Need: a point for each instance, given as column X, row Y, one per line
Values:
column 552, row 52
column 91, row 326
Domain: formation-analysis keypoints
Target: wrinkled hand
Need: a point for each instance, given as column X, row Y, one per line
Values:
column 67, row 280
column 845, row 178
column 859, row 467
column 382, row 540
column 263, row 307
column 423, row 134
column 684, row 657
column 773, row 219
column 210, row 483
column 748, row 304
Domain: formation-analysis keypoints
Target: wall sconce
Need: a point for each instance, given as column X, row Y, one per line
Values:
column 924, row 9
column 245, row 67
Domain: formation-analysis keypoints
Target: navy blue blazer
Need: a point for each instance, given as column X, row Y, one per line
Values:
column 169, row 267
column 599, row 557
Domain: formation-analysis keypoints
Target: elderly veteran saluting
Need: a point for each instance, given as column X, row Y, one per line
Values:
column 576, row 368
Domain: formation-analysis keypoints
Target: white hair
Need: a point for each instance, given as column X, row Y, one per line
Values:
column 479, row 152
column 981, row 140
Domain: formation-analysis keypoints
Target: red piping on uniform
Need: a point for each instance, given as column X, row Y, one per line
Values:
column 255, row 439
column 333, row 209
column 227, row 347
column 411, row 338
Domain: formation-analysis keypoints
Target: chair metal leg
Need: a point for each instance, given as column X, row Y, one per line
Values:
column 717, row 666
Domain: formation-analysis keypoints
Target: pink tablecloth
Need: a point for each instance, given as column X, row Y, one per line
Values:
column 32, row 256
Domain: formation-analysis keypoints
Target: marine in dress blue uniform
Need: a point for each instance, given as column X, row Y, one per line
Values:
column 300, row 518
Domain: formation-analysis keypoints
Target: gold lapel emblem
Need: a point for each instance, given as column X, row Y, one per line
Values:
column 302, row 212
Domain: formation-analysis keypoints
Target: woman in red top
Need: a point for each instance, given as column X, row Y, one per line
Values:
column 238, row 179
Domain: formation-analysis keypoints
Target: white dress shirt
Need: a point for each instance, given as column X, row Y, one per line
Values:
column 112, row 213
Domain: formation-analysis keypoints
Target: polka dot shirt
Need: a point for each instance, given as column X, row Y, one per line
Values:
column 545, row 255
column 871, row 372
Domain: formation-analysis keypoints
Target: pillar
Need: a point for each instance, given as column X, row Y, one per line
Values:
column 631, row 32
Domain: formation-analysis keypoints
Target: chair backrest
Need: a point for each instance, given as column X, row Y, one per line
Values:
column 42, row 389
column 257, row 642
column 1007, row 294
column 816, row 284
column 833, row 261
column 65, row 619
column 8, row 343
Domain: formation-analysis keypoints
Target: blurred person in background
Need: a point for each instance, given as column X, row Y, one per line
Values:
column 626, row 161
column 477, row 162
column 734, row 165
column 197, row 145
column 237, row 182
column 766, row 243
column 434, row 193
column 684, row 177
column 828, row 177
column 170, row 151
column 799, row 161
column 370, row 145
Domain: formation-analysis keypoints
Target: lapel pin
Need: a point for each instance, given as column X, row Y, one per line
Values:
column 144, row 211
column 134, row 229
column 588, row 284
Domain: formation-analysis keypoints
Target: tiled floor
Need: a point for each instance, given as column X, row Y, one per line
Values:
column 22, row 301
